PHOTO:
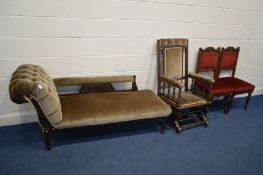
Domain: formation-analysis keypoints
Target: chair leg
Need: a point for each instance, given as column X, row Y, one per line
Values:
column 228, row 103
column 163, row 124
column 177, row 126
column 177, row 116
column 47, row 138
column 247, row 100
column 204, row 116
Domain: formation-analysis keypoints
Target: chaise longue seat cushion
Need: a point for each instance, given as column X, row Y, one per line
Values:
column 102, row 108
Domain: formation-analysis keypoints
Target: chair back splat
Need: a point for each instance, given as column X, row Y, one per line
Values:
column 208, row 59
column 173, row 59
column 97, row 103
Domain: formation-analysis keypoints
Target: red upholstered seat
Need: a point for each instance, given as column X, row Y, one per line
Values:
column 219, row 88
column 239, row 85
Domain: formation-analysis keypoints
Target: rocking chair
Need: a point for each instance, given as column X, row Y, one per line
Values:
column 189, row 109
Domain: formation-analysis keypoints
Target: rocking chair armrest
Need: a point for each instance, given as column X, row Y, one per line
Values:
column 204, row 79
column 175, row 83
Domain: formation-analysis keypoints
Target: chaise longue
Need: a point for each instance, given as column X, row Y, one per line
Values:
column 30, row 83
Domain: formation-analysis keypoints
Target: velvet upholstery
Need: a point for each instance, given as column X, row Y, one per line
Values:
column 240, row 86
column 207, row 60
column 228, row 60
column 173, row 63
column 219, row 88
column 223, row 86
column 33, row 80
column 101, row 108
column 187, row 100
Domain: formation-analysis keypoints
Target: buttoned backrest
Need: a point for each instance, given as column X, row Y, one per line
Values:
column 33, row 80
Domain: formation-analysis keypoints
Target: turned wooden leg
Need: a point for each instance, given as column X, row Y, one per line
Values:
column 47, row 138
column 205, row 119
column 228, row 103
column 247, row 100
column 163, row 124
column 177, row 126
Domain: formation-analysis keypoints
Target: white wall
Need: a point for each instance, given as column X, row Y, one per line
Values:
column 105, row 37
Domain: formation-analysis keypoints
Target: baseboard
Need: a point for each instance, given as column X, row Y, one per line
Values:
column 258, row 91
column 18, row 118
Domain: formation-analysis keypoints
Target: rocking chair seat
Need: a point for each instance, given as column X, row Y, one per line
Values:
column 188, row 100
column 103, row 108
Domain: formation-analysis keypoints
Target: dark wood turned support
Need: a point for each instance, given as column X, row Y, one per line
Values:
column 247, row 100
column 228, row 103
column 185, row 121
column 47, row 138
column 177, row 126
column 163, row 124
column 204, row 116
column 134, row 85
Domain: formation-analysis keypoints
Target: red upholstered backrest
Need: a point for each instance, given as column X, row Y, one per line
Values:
column 207, row 59
column 228, row 59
